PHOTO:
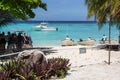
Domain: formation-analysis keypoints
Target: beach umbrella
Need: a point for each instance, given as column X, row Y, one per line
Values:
column 20, row 31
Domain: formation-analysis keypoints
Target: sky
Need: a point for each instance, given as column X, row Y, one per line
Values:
column 63, row 10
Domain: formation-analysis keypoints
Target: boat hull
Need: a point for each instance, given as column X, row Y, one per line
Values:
column 46, row 29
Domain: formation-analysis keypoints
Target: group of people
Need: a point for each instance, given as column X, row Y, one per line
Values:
column 14, row 42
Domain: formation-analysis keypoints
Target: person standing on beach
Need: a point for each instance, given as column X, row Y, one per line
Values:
column 8, row 39
column 20, row 41
column 30, row 41
column 12, row 45
column 67, row 37
column 104, row 38
column 3, row 40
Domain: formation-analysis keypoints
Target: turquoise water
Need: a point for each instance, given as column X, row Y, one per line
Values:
column 54, row 38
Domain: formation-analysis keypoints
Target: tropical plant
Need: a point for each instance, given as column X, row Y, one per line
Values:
column 18, row 70
column 5, row 18
column 25, row 73
column 22, row 9
column 40, row 70
column 104, row 11
column 4, row 75
column 18, row 9
column 59, row 66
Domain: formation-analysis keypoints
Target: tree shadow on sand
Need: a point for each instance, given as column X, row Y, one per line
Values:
column 45, row 50
column 11, row 55
column 106, row 47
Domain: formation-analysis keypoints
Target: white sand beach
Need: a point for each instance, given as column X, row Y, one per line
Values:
column 90, row 65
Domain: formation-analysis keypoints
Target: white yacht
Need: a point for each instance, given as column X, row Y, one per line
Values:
column 43, row 27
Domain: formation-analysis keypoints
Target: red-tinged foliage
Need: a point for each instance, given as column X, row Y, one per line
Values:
column 19, row 70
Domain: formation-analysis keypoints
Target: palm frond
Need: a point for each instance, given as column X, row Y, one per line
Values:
column 5, row 18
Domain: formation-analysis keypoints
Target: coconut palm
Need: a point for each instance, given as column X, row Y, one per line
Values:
column 116, row 17
column 104, row 10
column 97, row 8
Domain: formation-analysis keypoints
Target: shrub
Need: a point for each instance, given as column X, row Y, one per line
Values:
column 56, row 67
column 59, row 66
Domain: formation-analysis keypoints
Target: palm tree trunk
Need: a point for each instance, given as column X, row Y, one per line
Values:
column 109, row 52
column 119, row 37
column 119, row 41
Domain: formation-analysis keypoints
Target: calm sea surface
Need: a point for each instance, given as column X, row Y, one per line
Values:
column 74, row 30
